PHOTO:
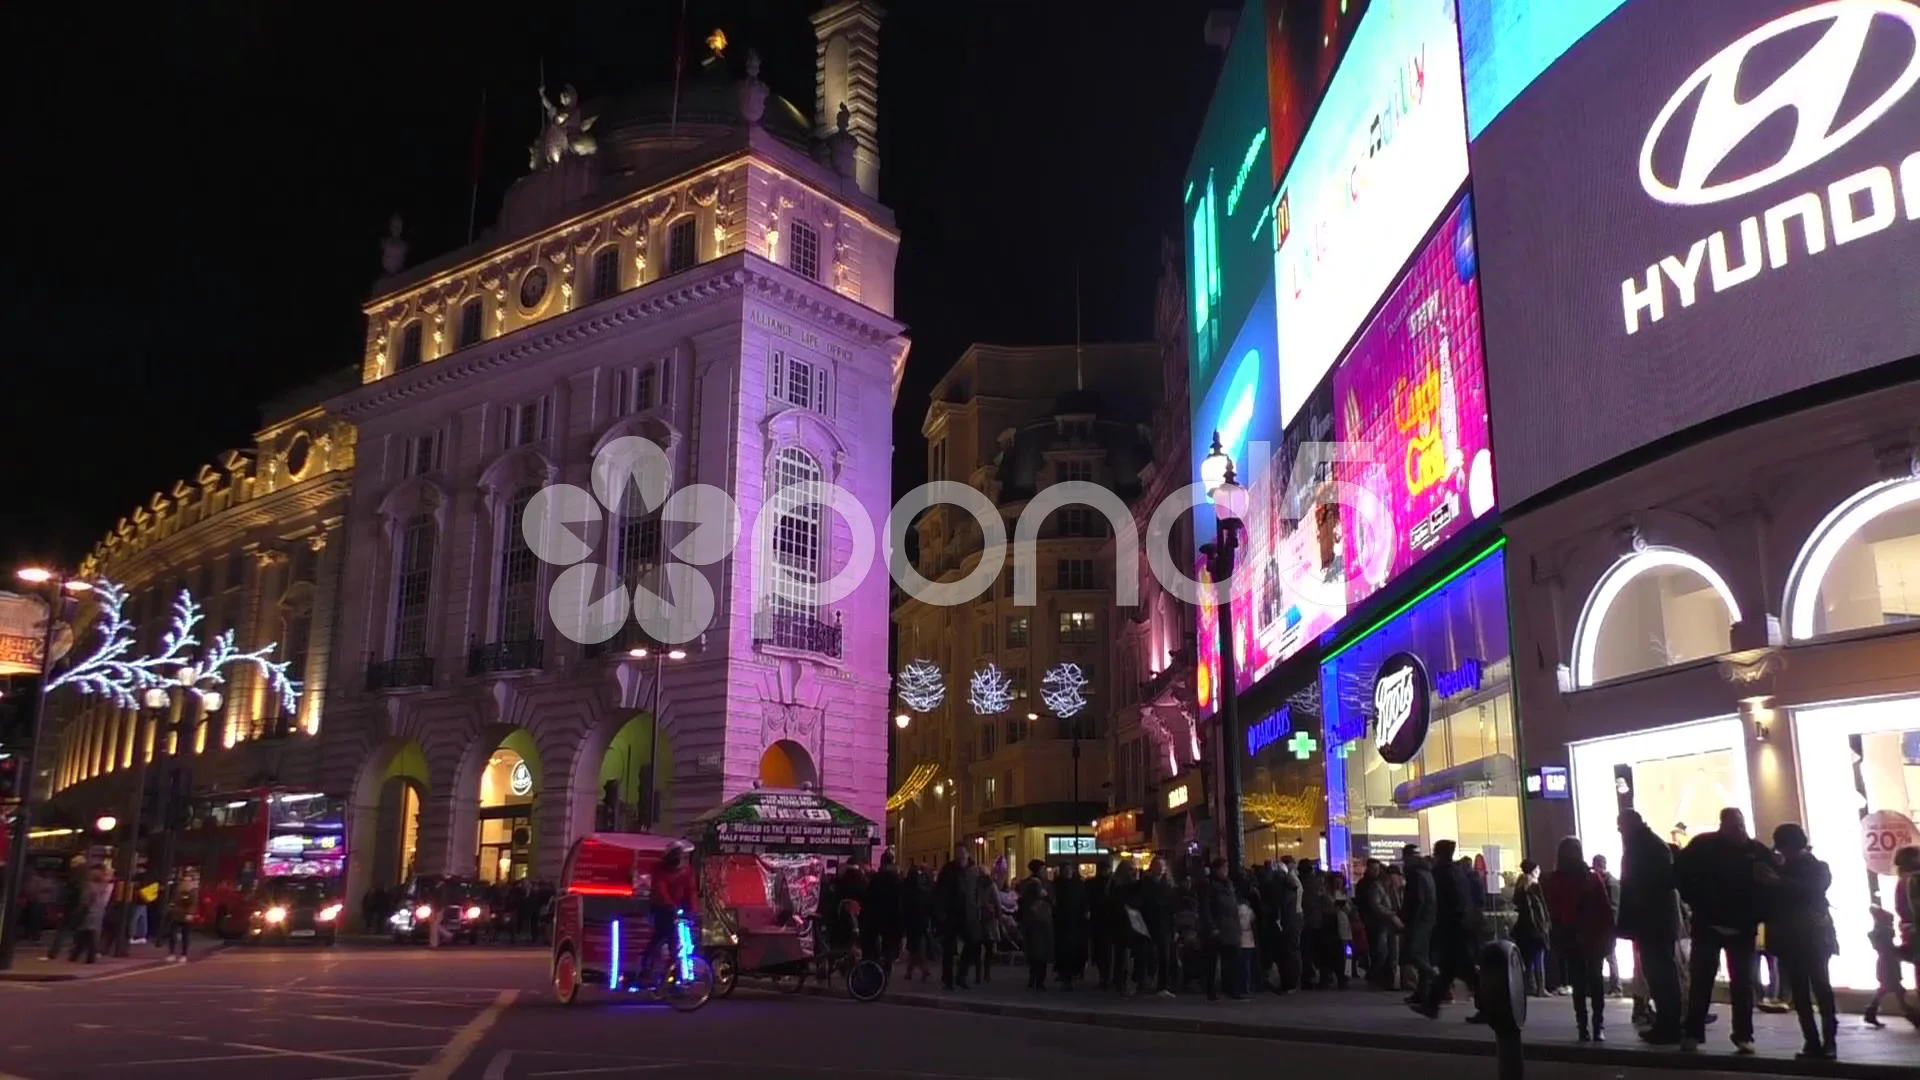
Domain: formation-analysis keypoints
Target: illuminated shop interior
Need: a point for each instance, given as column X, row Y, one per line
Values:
column 508, row 786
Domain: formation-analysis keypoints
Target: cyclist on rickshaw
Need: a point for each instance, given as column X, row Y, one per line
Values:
column 674, row 890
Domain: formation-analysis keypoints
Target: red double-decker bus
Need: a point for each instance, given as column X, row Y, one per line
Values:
column 236, row 840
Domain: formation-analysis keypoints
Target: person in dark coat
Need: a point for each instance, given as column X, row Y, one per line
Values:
column 1286, row 903
column 1725, row 877
column 1036, row 917
column 1100, row 925
column 1126, row 945
column 1582, row 933
column 1801, row 933
column 916, row 920
column 1455, row 930
column 881, row 916
column 1069, row 926
column 1316, row 923
column 1530, row 926
column 1219, row 927
column 958, row 914
column 1613, row 895
column 1650, row 918
column 1157, row 900
column 1419, row 911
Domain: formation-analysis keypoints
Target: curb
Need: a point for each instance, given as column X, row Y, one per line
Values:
column 1440, row 1044
column 130, row 967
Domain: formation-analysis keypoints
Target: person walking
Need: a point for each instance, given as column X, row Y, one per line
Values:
column 916, row 904
column 96, row 897
column 1036, row 911
column 1613, row 897
column 1455, row 930
column 1126, row 927
column 881, row 916
column 1219, row 928
column 1725, row 877
column 1531, row 924
column 1069, row 926
column 1100, row 923
column 1286, row 904
column 1650, row 918
column 1582, row 932
column 1887, row 960
column 1382, row 921
column 1158, row 902
column 958, row 915
column 1419, row 913
column 1802, row 936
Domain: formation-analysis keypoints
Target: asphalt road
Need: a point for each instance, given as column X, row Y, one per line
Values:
column 484, row 1015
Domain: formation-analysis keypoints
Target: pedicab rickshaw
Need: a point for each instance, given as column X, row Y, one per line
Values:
column 764, row 858
column 602, row 933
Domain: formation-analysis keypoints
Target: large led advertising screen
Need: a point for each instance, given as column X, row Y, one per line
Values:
column 1228, row 210
column 1305, row 40
column 1384, row 155
column 1411, row 399
column 1507, row 43
column 1698, row 207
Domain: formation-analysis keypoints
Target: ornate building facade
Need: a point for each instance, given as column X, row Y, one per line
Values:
column 1011, row 423
column 254, row 537
column 710, row 272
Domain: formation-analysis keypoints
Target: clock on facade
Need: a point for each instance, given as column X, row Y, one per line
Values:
column 533, row 287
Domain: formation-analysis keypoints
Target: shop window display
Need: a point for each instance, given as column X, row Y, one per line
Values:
column 1860, row 791
column 1419, row 722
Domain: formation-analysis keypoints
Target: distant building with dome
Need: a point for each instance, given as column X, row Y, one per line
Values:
column 709, row 271
column 1018, row 779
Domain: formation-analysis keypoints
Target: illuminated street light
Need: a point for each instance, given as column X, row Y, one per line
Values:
column 35, row 575
column 901, row 721
column 676, row 654
column 106, row 823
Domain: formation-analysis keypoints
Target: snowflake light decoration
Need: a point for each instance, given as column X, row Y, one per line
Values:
column 1063, row 689
column 990, row 692
column 922, row 685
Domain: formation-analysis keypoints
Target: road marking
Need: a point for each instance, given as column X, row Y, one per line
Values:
column 442, row 1029
column 497, row 1068
column 649, row 1067
column 456, row 1052
column 317, row 1055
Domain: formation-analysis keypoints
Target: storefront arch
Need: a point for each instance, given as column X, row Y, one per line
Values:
column 1861, row 567
column 508, row 787
column 629, row 776
column 786, row 764
column 1654, row 608
column 383, row 827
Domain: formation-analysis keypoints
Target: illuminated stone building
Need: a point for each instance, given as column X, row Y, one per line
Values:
column 1156, row 739
column 709, row 270
column 255, row 538
column 1010, row 423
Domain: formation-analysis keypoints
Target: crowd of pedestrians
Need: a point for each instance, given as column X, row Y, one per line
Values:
column 1414, row 926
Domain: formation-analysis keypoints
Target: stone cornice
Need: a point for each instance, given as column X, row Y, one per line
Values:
column 742, row 274
column 225, row 529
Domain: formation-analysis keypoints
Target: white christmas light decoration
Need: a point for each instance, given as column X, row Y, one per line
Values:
column 922, row 685
column 110, row 673
column 1063, row 689
column 991, row 691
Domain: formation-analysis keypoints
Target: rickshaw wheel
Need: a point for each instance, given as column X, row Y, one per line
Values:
column 789, row 983
column 686, row 995
column 566, row 977
column 726, row 972
column 866, row 980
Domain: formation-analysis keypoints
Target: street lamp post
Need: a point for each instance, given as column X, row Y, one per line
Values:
column 153, row 701
column 57, row 586
column 660, row 654
column 1230, row 508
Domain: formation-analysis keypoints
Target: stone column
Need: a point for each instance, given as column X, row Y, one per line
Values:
column 326, row 591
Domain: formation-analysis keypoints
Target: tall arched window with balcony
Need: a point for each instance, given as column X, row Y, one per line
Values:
column 518, row 610
column 413, row 587
column 798, row 560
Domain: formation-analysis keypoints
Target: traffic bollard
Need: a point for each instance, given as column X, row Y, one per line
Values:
column 1503, row 1001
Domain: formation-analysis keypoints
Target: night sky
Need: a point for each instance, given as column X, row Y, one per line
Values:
column 199, row 191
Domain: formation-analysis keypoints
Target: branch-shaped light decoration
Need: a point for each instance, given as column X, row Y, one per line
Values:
column 110, row 673
column 1063, row 689
column 922, row 686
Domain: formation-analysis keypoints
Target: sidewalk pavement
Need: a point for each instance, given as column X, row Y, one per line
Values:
column 1377, row 1018
column 30, row 963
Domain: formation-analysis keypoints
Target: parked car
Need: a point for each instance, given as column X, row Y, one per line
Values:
column 460, row 903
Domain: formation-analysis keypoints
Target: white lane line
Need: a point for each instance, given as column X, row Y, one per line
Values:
column 317, row 1055
column 442, row 1029
column 456, row 1052
column 497, row 1068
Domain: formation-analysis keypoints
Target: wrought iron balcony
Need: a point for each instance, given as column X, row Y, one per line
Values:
column 801, row 633
column 400, row 673
column 527, row 654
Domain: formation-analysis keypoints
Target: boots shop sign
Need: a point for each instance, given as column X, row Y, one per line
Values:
column 1402, row 707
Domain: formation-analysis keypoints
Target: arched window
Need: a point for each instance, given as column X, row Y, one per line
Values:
column 409, row 347
column 1653, row 609
column 1861, row 568
column 519, row 574
column 414, row 584
column 683, row 249
column 606, row 272
column 797, row 535
column 471, row 314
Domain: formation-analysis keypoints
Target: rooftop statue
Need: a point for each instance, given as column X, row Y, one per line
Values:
column 565, row 132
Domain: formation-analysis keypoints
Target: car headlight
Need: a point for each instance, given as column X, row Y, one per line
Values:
column 275, row 915
column 399, row 917
column 473, row 912
column 423, row 912
column 329, row 913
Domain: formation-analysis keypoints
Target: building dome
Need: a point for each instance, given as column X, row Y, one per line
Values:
column 1123, row 449
column 638, row 127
